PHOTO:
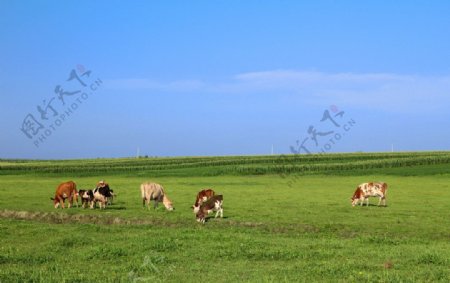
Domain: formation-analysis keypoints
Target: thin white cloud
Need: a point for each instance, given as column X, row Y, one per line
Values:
column 368, row 90
column 147, row 84
column 315, row 77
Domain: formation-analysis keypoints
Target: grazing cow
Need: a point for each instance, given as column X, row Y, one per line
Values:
column 155, row 192
column 366, row 190
column 102, row 184
column 65, row 190
column 202, row 196
column 101, row 196
column 87, row 197
column 212, row 204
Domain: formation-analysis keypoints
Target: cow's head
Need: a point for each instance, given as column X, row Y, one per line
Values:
column 356, row 196
column 167, row 203
column 89, row 194
column 55, row 201
column 195, row 208
column 201, row 217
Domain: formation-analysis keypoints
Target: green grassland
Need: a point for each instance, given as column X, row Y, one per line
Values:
column 287, row 218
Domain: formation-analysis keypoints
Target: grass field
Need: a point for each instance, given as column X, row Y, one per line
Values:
column 286, row 219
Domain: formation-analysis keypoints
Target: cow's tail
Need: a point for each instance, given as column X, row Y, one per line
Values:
column 75, row 192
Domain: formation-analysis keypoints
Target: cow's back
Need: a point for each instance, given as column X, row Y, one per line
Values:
column 151, row 191
column 203, row 196
column 66, row 189
column 381, row 188
column 211, row 202
column 373, row 189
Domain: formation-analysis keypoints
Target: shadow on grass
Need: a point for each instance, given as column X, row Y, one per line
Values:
column 115, row 208
column 211, row 217
column 371, row 205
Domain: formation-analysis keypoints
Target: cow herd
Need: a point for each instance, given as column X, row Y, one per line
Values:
column 102, row 195
column 206, row 200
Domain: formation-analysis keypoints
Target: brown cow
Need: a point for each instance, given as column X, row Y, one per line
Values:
column 65, row 190
column 213, row 204
column 202, row 196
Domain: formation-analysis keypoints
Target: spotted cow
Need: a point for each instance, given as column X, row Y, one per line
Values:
column 212, row 204
column 202, row 196
column 366, row 190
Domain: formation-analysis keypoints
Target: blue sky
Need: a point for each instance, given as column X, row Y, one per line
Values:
column 183, row 78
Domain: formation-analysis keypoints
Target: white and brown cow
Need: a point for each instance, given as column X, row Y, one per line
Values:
column 67, row 190
column 202, row 196
column 152, row 191
column 101, row 196
column 213, row 204
column 103, row 184
column 366, row 190
column 87, row 197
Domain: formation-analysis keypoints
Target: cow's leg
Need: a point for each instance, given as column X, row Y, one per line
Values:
column 217, row 213
column 220, row 212
column 155, row 204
